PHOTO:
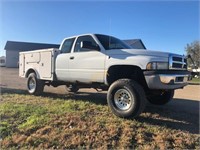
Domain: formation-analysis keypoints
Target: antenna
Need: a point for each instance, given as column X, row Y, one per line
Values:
column 110, row 24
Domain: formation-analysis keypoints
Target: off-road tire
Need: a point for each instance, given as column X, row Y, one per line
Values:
column 34, row 86
column 161, row 98
column 135, row 94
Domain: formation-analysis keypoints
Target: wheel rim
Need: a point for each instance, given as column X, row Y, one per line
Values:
column 122, row 99
column 31, row 85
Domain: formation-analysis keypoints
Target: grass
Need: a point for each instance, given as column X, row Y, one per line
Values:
column 195, row 80
column 69, row 122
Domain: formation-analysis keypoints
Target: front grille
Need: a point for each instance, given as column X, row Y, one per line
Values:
column 177, row 62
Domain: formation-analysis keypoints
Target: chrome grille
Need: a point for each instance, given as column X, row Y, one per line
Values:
column 177, row 62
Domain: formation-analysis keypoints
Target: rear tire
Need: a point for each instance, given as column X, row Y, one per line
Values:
column 161, row 98
column 71, row 88
column 126, row 98
column 34, row 86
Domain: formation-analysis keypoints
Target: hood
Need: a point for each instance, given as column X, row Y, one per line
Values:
column 137, row 52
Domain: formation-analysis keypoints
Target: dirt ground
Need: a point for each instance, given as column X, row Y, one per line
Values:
column 186, row 100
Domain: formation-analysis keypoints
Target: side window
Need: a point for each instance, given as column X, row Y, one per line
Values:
column 67, row 45
column 86, row 38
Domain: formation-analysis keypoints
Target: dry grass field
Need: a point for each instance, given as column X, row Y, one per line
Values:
column 60, row 120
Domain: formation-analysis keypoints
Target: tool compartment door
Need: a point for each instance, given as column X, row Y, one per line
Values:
column 21, row 65
column 45, row 66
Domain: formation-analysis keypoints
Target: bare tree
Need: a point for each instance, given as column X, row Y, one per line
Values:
column 193, row 50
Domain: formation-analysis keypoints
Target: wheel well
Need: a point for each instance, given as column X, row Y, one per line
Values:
column 125, row 71
column 30, row 71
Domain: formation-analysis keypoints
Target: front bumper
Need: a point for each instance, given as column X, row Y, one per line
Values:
column 166, row 79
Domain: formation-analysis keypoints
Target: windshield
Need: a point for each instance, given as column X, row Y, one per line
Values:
column 109, row 42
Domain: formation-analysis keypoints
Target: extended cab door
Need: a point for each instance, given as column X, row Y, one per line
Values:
column 87, row 64
column 62, row 60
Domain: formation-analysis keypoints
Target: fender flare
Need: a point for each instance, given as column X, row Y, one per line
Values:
column 32, row 70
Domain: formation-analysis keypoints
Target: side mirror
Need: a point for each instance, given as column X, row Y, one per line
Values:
column 89, row 45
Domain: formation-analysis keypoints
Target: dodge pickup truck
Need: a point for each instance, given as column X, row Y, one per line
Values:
column 131, row 76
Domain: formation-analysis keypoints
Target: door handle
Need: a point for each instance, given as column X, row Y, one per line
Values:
column 72, row 57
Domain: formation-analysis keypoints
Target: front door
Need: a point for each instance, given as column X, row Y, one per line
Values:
column 86, row 65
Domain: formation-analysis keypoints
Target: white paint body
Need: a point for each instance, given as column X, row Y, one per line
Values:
column 41, row 61
column 84, row 67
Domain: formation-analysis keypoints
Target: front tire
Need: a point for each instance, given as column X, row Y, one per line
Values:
column 161, row 98
column 34, row 85
column 126, row 98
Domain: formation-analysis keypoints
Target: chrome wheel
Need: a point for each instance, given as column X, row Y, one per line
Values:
column 35, row 86
column 32, row 85
column 126, row 98
column 122, row 99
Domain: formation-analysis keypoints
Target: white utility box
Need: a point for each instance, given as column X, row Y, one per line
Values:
column 41, row 61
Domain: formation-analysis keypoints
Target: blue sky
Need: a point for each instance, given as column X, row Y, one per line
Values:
column 162, row 25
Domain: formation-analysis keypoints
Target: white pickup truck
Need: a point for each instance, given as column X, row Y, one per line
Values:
column 131, row 76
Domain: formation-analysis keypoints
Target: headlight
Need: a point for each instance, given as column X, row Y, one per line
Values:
column 157, row 66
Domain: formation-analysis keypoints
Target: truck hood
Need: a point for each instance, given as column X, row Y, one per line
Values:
column 137, row 52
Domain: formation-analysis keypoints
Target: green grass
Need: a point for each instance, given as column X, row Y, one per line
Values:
column 68, row 122
column 195, row 80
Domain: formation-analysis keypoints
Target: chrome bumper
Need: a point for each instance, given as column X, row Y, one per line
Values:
column 166, row 81
column 176, row 79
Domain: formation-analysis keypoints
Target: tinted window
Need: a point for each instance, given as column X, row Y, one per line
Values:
column 67, row 45
column 109, row 42
column 86, row 38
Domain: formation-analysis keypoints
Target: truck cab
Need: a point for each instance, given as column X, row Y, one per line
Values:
column 82, row 59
